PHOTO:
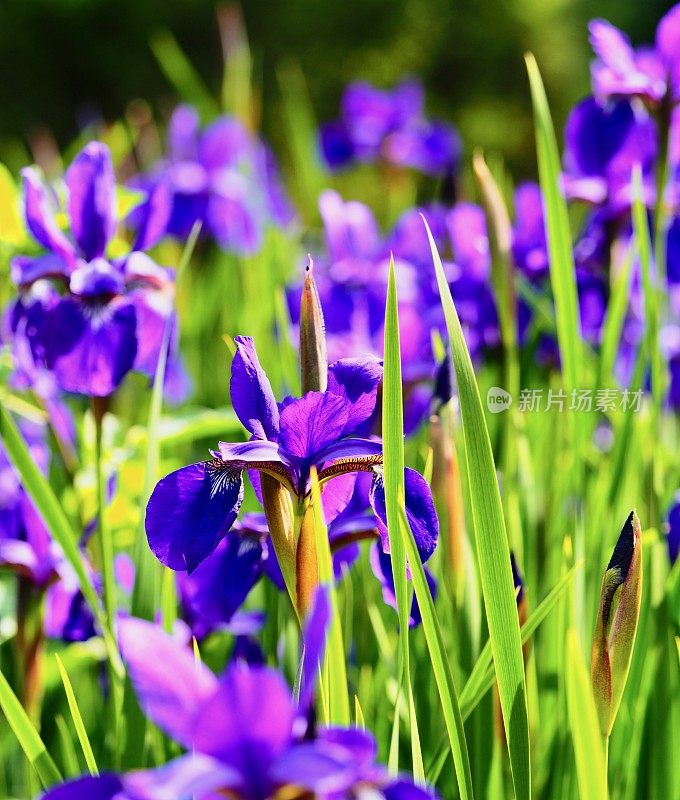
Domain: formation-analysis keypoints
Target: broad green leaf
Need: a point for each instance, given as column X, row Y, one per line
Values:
column 83, row 738
column 492, row 546
column 585, row 729
column 40, row 492
column 27, row 736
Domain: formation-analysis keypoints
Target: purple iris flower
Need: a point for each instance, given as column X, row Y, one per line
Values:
column 222, row 176
column 377, row 124
column 192, row 509
column 28, row 550
column 673, row 530
column 247, row 736
column 26, row 546
column 98, row 318
column 603, row 144
column 529, row 246
column 650, row 73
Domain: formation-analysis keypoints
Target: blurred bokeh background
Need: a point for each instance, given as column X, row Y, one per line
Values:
column 67, row 63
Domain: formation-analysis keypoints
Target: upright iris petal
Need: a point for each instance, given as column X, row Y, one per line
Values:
column 92, row 199
column 251, row 392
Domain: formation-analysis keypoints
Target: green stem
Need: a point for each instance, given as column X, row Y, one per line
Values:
column 106, row 556
column 605, row 747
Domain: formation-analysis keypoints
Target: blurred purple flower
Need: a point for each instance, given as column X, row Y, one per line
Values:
column 110, row 315
column 602, row 146
column 247, row 736
column 224, row 177
column 650, row 73
column 673, row 530
column 376, row 124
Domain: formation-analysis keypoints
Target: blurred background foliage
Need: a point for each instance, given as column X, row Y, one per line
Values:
column 68, row 63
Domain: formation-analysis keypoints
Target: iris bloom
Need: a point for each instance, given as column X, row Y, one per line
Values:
column 651, row 73
column 377, row 124
column 223, row 177
column 248, row 738
column 192, row 509
column 90, row 318
column 602, row 146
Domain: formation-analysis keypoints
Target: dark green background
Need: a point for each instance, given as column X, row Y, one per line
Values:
column 62, row 62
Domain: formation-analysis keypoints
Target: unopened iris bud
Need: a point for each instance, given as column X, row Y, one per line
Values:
column 313, row 356
column 617, row 621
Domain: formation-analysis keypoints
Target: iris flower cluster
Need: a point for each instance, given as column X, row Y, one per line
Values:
column 389, row 126
column 221, row 176
column 192, row 510
column 86, row 315
column 246, row 736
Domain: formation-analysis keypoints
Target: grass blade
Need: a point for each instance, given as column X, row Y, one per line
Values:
column 334, row 670
column 482, row 677
column 393, row 465
column 403, row 545
column 83, row 738
column 558, row 232
column 492, row 546
column 590, row 760
column 27, row 736
column 40, row 492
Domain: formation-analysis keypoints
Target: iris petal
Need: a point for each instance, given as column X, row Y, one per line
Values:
column 190, row 511
column 92, row 199
column 251, row 392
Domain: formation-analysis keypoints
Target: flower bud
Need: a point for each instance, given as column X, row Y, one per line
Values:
column 313, row 356
column 616, row 625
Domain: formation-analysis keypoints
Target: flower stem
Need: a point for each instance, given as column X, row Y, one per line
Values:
column 105, row 541
column 30, row 639
column 106, row 554
column 605, row 747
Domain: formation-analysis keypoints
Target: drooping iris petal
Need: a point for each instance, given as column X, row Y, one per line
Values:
column 334, row 763
column 190, row 511
column 247, row 724
column 357, row 380
column 251, row 392
column 403, row 789
column 192, row 775
column 381, row 564
column 215, row 591
column 27, row 270
column 420, row 512
column 336, row 494
column 92, row 199
column 102, row 787
column 312, row 422
column 313, row 645
column 171, row 685
column 40, row 218
column 91, row 347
